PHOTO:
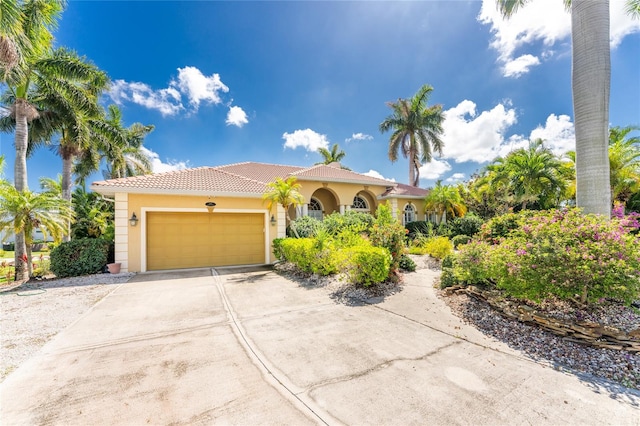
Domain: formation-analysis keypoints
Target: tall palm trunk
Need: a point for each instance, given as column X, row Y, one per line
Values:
column 67, row 175
column 591, row 75
column 20, row 180
column 412, row 161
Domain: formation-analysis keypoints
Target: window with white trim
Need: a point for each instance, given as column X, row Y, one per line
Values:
column 409, row 214
column 360, row 204
column 315, row 209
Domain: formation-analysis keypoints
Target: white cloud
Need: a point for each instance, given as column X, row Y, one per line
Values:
column 375, row 174
column 434, row 169
column 456, row 177
column 472, row 137
column 558, row 133
column 307, row 139
column 166, row 101
column 621, row 23
column 236, row 116
column 520, row 65
column 191, row 83
column 541, row 21
column 198, row 87
column 359, row 137
column 157, row 166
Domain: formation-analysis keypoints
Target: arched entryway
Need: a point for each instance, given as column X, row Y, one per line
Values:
column 364, row 202
column 325, row 200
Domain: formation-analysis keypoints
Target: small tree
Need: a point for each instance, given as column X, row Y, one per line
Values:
column 286, row 193
column 443, row 199
column 24, row 211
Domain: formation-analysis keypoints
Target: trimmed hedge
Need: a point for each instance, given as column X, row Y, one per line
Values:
column 79, row 257
column 366, row 265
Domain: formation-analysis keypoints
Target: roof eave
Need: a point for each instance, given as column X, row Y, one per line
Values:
column 385, row 184
column 112, row 190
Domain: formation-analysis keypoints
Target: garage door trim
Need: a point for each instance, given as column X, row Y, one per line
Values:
column 143, row 226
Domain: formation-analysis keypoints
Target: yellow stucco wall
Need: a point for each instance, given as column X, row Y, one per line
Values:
column 129, row 239
column 142, row 203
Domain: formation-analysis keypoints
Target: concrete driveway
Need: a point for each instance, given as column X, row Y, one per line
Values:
column 234, row 347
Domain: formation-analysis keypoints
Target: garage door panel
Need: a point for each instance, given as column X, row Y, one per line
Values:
column 189, row 240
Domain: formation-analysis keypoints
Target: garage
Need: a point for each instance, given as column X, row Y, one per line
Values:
column 177, row 240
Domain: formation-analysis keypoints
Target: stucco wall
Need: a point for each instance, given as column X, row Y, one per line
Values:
column 140, row 204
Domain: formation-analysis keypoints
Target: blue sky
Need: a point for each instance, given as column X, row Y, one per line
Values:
column 226, row 82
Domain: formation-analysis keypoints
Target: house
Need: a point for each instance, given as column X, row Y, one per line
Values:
column 215, row 216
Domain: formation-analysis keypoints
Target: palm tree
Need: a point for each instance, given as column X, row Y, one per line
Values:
column 624, row 161
column 10, row 33
column 445, row 199
column 591, row 80
column 333, row 156
column 416, row 131
column 286, row 193
column 21, row 212
column 33, row 32
column 94, row 215
column 52, row 186
column 120, row 147
column 66, row 100
column 532, row 175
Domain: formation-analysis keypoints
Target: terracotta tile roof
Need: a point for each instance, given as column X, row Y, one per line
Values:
column 260, row 172
column 402, row 190
column 334, row 173
column 198, row 180
column 248, row 178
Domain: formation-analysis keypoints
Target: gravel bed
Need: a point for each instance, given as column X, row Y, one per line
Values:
column 338, row 289
column 619, row 366
column 30, row 315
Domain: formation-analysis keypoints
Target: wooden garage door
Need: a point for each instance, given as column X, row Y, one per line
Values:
column 193, row 240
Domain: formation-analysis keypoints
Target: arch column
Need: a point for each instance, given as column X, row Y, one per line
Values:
column 305, row 209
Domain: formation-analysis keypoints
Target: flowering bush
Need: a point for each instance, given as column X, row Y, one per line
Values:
column 559, row 253
column 388, row 233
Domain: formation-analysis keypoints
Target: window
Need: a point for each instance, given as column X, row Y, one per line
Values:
column 359, row 203
column 315, row 209
column 409, row 214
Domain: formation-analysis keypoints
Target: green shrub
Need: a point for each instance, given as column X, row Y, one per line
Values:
column 388, row 233
column 447, row 278
column 299, row 251
column 366, row 265
column 459, row 240
column 469, row 225
column 438, row 247
column 356, row 221
column 443, row 230
column 306, row 227
column 503, row 226
column 448, row 260
column 407, row 264
column 419, row 228
column 567, row 254
column 79, row 257
column 309, row 255
column 277, row 248
column 472, row 264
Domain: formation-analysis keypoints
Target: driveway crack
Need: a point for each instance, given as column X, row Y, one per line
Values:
column 258, row 360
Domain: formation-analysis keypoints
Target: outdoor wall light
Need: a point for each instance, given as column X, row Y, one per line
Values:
column 273, row 220
column 210, row 205
column 133, row 220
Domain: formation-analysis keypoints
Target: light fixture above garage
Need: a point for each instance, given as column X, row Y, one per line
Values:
column 210, row 206
column 133, row 220
column 273, row 220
